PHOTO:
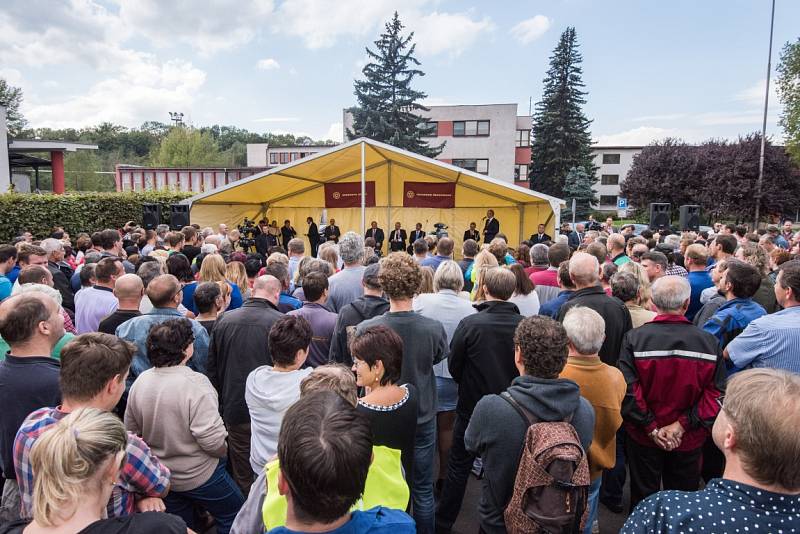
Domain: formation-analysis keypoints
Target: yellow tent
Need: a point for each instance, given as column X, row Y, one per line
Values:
column 304, row 187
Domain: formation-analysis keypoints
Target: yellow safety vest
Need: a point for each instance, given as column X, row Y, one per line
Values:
column 385, row 487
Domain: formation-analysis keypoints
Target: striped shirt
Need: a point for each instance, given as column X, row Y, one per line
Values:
column 143, row 475
column 769, row 341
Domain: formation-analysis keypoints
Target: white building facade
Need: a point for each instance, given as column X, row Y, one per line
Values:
column 613, row 164
column 263, row 155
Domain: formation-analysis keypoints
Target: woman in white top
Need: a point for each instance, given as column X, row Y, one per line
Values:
column 526, row 299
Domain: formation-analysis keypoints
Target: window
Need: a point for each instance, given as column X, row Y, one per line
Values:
column 470, row 128
column 520, row 172
column 273, row 158
column 523, row 138
column 608, row 200
column 474, row 165
column 284, row 157
column 610, row 159
column 609, row 179
column 429, row 129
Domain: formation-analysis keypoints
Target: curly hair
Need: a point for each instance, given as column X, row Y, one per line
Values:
column 755, row 256
column 543, row 345
column 400, row 276
column 167, row 341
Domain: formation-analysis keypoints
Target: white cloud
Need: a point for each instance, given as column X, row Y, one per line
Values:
column 642, row 135
column 13, row 77
column 665, row 117
column 268, row 64
column 335, row 133
column 754, row 94
column 531, row 29
column 453, row 33
column 277, row 119
column 722, row 118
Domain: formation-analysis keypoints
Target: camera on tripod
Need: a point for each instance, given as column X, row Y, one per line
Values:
column 247, row 232
column 440, row 230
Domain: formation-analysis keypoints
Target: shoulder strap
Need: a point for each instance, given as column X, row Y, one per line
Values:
column 526, row 415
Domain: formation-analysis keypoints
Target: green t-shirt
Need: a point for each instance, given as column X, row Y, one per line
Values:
column 4, row 348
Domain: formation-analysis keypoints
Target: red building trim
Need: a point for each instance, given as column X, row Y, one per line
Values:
column 57, row 165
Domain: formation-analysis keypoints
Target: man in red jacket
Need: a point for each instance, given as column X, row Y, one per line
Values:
column 675, row 376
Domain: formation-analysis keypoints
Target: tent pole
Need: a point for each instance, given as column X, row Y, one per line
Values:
column 363, row 188
column 389, row 200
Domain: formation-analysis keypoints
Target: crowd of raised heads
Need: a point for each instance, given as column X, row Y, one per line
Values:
column 216, row 380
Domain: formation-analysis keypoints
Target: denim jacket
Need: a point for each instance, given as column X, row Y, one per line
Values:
column 135, row 330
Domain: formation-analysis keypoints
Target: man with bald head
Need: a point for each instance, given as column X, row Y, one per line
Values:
column 31, row 324
column 239, row 344
column 129, row 291
column 165, row 294
column 584, row 270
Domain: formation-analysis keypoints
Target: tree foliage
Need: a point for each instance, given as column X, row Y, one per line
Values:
column 560, row 134
column 187, row 147
column 11, row 99
column 720, row 176
column 388, row 107
column 789, row 91
column 578, row 185
column 77, row 212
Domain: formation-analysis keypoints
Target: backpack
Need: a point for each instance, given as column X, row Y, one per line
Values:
column 551, row 489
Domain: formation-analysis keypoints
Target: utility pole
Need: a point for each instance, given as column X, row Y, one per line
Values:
column 760, row 181
column 176, row 117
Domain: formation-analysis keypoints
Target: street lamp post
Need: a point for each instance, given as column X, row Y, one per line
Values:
column 176, row 117
column 760, row 181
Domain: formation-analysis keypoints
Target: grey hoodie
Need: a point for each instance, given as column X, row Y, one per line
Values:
column 361, row 309
column 496, row 432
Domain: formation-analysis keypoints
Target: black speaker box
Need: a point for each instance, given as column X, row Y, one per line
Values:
column 689, row 218
column 659, row 215
column 151, row 216
column 178, row 216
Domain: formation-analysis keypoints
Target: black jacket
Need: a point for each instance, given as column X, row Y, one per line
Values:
column 397, row 245
column 361, row 309
column 535, row 239
column 491, row 228
column 61, row 282
column 332, row 233
column 481, row 355
column 378, row 236
column 313, row 233
column 614, row 313
column 239, row 344
column 475, row 236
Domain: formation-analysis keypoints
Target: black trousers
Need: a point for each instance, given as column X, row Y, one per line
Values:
column 614, row 478
column 459, row 465
column 314, row 247
column 652, row 466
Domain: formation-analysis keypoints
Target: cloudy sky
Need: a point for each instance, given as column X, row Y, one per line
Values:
column 688, row 68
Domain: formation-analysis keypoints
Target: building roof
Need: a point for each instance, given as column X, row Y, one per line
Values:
column 47, row 145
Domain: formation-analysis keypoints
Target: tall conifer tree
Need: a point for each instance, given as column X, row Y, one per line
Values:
column 560, row 134
column 387, row 104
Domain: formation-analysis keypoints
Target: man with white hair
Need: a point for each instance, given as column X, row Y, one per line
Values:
column 675, row 375
column 345, row 286
column 55, row 254
column 584, row 270
column 602, row 385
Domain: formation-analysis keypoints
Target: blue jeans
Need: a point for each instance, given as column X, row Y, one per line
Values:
column 219, row 495
column 422, row 487
column 594, row 499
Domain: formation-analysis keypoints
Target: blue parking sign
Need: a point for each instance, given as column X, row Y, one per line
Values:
column 622, row 203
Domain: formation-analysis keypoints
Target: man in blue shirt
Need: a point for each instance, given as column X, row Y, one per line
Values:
column 695, row 259
column 773, row 340
column 760, row 489
column 8, row 259
column 444, row 252
column 739, row 282
column 567, row 288
column 324, row 479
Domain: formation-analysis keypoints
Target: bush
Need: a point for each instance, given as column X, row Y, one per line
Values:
column 77, row 212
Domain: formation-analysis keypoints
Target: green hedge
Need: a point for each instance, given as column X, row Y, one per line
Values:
column 76, row 212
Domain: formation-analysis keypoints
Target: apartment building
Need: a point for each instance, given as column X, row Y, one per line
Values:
column 489, row 139
column 263, row 155
column 613, row 164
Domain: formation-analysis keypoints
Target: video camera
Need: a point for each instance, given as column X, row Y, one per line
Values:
column 441, row 230
column 247, row 234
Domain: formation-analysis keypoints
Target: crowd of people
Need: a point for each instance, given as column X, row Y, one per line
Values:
column 179, row 381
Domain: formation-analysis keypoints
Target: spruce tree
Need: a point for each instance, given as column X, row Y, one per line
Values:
column 560, row 133
column 578, row 185
column 387, row 104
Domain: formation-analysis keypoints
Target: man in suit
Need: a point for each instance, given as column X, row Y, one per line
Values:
column 313, row 236
column 417, row 233
column 472, row 233
column 491, row 228
column 377, row 234
column 397, row 238
column 540, row 236
column 332, row 232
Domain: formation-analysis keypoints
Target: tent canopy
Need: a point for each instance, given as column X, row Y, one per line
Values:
column 297, row 190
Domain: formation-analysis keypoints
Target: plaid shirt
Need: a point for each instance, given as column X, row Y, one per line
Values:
column 676, row 270
column 142, row 475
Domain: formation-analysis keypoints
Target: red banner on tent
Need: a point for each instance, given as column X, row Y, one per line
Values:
column 429, row 195
column 348, row 195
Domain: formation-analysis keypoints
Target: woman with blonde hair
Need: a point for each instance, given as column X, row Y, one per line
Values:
column 331, row 255
column 426, row 286
column 76, row 463
column 213, row 269
column 484, row 261
column 236, row 273
column 643, row 297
